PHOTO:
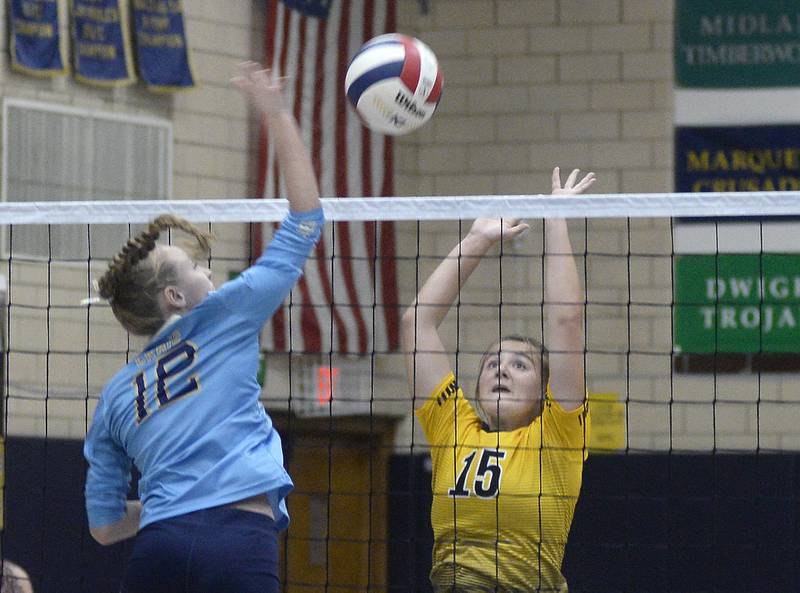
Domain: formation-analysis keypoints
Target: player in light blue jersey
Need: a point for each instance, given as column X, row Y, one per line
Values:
column 186, row 410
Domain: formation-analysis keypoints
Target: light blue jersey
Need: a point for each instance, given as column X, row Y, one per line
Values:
column 186, row 410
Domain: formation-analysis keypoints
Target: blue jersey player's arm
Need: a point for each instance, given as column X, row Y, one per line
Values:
column 111, row 517
column 262, row 288
column 265, row 93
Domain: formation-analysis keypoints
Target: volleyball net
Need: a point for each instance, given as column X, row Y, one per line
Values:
column 691, row 313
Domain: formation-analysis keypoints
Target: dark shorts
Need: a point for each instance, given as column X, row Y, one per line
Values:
column 217, row 550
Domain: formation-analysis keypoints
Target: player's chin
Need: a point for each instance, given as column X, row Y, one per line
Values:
column 504, row 408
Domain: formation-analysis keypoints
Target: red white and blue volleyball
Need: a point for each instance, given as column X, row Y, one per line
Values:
column 394, row 83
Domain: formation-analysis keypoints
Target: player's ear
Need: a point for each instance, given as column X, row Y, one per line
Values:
column 174, row 298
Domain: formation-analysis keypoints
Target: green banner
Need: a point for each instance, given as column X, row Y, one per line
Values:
column 737, row 303
column 737, row 43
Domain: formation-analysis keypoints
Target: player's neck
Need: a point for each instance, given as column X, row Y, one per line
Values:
column 167, row 322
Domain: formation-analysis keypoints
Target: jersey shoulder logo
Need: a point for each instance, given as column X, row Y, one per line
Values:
column 307, row 228
column 449, row 390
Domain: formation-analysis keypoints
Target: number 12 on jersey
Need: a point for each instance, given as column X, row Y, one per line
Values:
column 173, row 362
column 487, row 475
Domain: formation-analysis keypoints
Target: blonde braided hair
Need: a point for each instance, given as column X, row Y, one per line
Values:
column 134, row 281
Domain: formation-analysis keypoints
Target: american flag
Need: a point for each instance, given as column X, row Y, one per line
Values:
column 347, row 300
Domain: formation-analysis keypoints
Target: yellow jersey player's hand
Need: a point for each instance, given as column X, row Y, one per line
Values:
column 495, row 229
column 572, row 186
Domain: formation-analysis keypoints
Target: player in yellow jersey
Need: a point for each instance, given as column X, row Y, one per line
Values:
column 507, row 473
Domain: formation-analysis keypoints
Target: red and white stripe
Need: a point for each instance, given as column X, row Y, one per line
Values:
column 353, row 270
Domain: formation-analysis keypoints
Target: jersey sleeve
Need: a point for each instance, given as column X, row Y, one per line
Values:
column 566, row 429
column 109, row 475
column 258, row 291
column 447, row 415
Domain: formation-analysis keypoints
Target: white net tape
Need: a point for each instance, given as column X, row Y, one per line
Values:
column 413, row 208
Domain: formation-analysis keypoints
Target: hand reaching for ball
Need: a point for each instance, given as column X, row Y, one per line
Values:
column 261, row 87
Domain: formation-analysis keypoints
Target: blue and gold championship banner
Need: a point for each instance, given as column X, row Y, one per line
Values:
column 737, row 158
column 316, row 8
column 161, row 48
column 38, row 37
column 101, row 49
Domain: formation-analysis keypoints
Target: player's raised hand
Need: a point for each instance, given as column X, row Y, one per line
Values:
column 495, row 229
column 572, row 186
column 260, row 86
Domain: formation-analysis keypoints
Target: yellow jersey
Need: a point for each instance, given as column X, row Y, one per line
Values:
column 503, row 502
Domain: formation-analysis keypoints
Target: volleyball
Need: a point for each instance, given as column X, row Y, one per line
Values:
column 394, row 83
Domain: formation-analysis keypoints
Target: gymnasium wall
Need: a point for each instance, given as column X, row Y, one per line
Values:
column 529, row 84
column 214, row 156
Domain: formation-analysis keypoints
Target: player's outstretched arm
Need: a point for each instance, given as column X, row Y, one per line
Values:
column 563, row 302
column 123, row 529
column 265, row 93
column 427, row 362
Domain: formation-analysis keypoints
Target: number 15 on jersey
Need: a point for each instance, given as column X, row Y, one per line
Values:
column 488, row 474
